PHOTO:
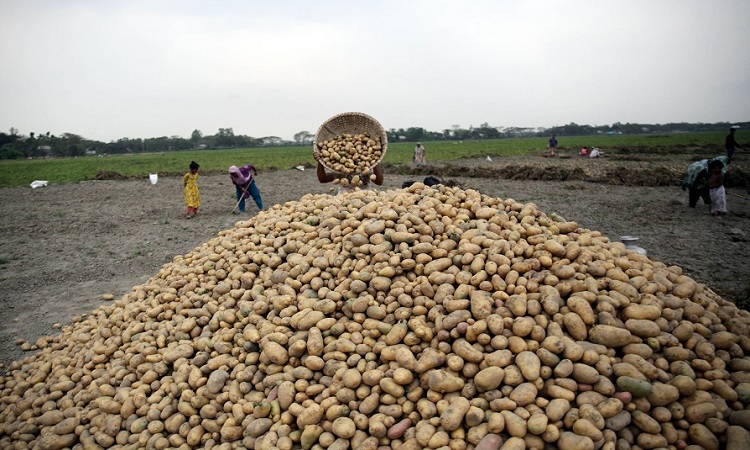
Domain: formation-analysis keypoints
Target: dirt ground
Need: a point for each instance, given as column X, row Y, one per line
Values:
column 64, row 247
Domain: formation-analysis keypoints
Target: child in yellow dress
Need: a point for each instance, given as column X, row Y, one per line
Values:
column 192, row 195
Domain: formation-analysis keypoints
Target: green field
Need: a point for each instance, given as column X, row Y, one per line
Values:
column 63, row 170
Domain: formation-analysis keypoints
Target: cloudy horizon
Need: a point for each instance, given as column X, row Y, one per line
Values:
column 142, row 69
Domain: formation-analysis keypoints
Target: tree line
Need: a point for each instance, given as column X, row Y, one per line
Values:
column 14, row 145
column 485, row 131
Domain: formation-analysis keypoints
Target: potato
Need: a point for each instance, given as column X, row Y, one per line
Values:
column 524, row 394
column 310, row 415
column 556, row 409
column 610, row 407
column 582, row 308
column 572, row 441
column 645, row 422
column 583, row 427
column 585, row 374
column 643, row 328
column 702, row 436
column 641, row 312
column 738, row 437
column 514, row 425
column 700, row 412
column 258, row 427
column 537, row 424
column 575, row 325
column 343, row 427
column 610, row 336
column 489, row 378
column 646, row 440
column 513, row 443
column 442, row 381
column 639, row 388
column 489, row 442
column 663, row 394
column 467, row 352
column 398, row 430
column 453, row 416
column 529, row 364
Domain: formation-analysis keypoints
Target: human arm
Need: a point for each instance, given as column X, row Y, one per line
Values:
column 247, row 168
column 378, row 171
column 323, row 176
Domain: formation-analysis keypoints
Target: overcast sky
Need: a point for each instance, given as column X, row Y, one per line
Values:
column 150, row 68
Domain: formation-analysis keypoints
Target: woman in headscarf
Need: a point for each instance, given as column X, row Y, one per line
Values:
column 242, row 178
column 696, row 180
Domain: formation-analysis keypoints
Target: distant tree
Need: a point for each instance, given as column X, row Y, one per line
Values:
column 485, row 131
column 415, row 134
column 303, row 136
column 243, row 141
column 195, row 137
column 8, row 138
column 271, row 140
column 9, row 145
column 225, row 138
column 71, row 145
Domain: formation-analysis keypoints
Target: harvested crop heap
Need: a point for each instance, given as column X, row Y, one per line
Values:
column 418, row 318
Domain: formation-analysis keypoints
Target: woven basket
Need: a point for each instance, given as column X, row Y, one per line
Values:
column 352, row 123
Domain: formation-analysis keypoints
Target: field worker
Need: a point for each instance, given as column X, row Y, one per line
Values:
column 552, row 145
column 190, row 188
column 696, row 180
column 730, row 144
column 344, row 184
column 419, row 154
column 245, row 186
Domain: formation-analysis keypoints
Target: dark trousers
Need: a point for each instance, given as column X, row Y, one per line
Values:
column 254, row 193
column 699, row 189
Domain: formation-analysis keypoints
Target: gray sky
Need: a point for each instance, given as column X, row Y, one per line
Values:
column 149, row 68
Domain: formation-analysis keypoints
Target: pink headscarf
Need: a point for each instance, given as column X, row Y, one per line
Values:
column 236, row 175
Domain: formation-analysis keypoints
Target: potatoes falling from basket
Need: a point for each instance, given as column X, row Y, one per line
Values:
column 351, row 154
column 351, row 144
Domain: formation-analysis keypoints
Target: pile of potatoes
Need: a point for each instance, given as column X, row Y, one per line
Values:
column 421, row 318
column 351, row 154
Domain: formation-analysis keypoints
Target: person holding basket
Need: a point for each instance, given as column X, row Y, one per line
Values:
column 244, row 183
column 348, row 148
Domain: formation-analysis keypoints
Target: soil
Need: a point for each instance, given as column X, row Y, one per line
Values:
column 66, row 249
